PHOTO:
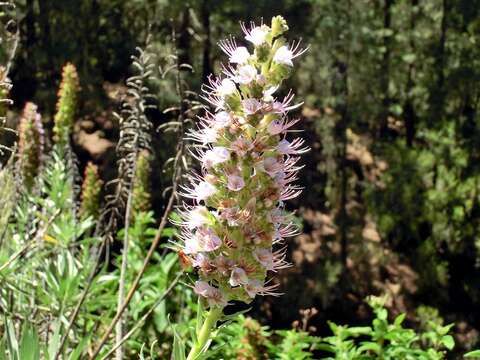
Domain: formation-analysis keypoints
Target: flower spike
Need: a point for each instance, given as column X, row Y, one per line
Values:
column 236, row 217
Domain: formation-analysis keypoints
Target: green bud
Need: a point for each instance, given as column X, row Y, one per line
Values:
column 262, row 53
column 279, row 26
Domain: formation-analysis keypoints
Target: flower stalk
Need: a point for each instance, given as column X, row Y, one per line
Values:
column 209, row 324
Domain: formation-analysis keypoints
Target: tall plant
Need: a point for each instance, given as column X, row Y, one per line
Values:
column 234, row 229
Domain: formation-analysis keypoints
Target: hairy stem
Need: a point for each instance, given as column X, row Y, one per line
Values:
column 205, row 332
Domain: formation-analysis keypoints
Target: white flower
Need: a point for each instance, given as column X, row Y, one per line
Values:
column 227, row 87
column 257, row 35
column 215, row 156
column 222, row 119
column 240, row 55
column 204, row 190
column 246, row 74
column 283, row 56
column 235, row 183
column 192, row 246
column 197, row 217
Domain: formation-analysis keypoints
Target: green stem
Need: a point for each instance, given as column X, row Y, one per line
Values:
column 204, row 334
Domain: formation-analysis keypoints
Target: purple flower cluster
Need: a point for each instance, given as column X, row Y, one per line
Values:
column 237, row 217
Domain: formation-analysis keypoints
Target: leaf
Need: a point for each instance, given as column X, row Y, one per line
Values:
column 178, row 346
column 11, row 340
column 199, row 315
column 359, row 330
column 55, row 340
column 75, row 355
column 29, row 344
column 448, row 342
column 399, row 319
column 370, row 346
column 471, row 354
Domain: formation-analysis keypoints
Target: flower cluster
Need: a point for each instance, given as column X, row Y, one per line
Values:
column 91, row 191
column 66, row 105
column 30, row 144
column 237, row 217
column 141, row 185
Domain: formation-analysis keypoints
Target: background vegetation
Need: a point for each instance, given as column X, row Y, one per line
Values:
column 392, row 183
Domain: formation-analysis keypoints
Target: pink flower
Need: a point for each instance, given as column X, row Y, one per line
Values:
column 238, row 277
column 235, row 183
column 192, row 245
column 202, row 261
column 223, row 264
column 213, row 295
column 251, row 106
column 241, row 146
column 282, row 107
column 276, row 215
column 294, row 148
column 278, row 126
column 208, row 240
column 257, row 287
column 231, row 215
column 202, row 288
column 264, row 257
column 271, row 166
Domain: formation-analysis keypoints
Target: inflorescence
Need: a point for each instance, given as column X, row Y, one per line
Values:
column 233, row 232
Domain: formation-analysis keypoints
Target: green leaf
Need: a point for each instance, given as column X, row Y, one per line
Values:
column 471, row 354
column 29, row 345
column 370, row 346
column 75, row 355
column 55, row 340
column 178, row 346
column 448, row 342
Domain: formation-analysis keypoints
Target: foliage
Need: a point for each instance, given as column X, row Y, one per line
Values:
column 391, row 93
column 246, row 339
column 386, row 340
